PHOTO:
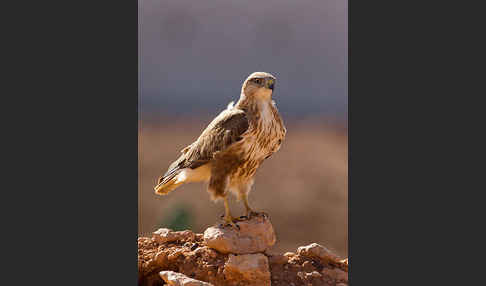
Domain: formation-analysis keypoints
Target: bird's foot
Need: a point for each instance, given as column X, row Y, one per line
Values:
column 251, row 214
column 230, row 221
column 232, row 224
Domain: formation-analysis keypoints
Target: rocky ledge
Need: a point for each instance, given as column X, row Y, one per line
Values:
column 227, row 256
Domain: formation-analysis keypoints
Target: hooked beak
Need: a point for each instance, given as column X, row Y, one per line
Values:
column 270, row 83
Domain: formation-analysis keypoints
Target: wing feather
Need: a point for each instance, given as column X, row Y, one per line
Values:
column 226, row 129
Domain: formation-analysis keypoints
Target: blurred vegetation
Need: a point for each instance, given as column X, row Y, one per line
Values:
column 178, row 218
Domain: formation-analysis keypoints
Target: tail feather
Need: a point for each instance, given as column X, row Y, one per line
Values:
column 168, row 183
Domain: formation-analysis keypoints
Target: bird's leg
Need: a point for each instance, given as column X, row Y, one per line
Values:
column 228, row 218
column 249, row 211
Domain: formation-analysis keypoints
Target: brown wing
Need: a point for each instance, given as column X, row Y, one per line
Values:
column 226, row 129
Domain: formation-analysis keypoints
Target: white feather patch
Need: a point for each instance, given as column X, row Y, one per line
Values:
column 230, row 105
column 189, row 175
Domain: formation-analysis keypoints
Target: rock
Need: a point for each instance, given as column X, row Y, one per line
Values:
column 344, row 264
column 289, row 254
column 330, row 273
column 278, row 259
column 164, row 235
column 161, row 258
column 247, row 269
column 174, row 255
column 341, row 275
column 308, row 267
column 254, row 235
column 336, row 274
column 178, row 279
column 189, row 254
column 317, row 250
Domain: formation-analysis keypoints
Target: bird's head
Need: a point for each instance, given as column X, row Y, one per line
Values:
column 259, row 85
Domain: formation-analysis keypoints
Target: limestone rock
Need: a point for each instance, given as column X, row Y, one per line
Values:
column 317, row 250
column 345, row 264
column 247, row 269
column 188, row 254
column 178, row 279
column 278, row 259
column 336, row 274
column 289, row 254
column 164, row 235
column 254, row 235
column 341, row 275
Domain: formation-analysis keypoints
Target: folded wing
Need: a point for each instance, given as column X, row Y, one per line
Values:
column 227, row 128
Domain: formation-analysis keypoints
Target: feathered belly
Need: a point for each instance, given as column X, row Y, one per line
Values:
column 254, row 150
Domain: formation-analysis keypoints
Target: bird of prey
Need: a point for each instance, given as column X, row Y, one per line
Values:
column 232, row 147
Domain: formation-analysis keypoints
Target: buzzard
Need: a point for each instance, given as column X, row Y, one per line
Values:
column 230, row 150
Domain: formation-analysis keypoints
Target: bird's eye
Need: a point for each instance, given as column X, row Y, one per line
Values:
column 258, row 81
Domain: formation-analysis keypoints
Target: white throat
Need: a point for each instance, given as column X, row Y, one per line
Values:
column 265, row 111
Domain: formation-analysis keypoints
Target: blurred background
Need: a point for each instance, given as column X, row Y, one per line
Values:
column 194, row 56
